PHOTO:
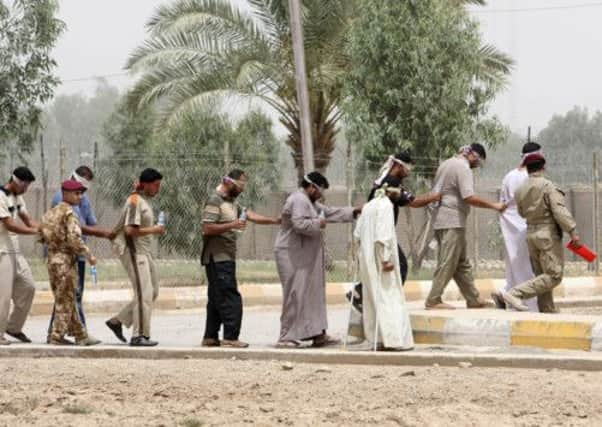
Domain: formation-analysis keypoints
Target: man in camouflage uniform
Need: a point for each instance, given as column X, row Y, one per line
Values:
column 61, row 232
column 542, row 205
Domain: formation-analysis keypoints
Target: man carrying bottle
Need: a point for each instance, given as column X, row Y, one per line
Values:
column 222, row 223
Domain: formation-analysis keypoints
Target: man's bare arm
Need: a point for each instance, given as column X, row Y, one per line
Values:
column 14, row 227
column 478, row 202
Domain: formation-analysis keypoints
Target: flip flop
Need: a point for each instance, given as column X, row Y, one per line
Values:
column 287, row 344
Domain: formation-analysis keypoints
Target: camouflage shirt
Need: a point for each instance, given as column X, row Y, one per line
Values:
column 61, row 232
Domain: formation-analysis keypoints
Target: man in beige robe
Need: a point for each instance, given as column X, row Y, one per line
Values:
column 299, row 252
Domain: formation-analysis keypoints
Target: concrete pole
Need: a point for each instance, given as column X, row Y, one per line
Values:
column 307, row 147
column 596, row 213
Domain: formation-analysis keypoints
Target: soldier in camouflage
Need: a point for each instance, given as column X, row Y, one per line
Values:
column 543, row 207
column 60, row 231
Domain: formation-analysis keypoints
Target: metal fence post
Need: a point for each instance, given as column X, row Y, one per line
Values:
column 475, row 228
column 349, row 185
column 596, row 211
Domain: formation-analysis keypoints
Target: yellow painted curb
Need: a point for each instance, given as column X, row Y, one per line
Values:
column 558, row 335
column 427, row 329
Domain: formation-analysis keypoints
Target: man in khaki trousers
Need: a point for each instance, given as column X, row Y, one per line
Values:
column 135, row 234
column 454, row 181
column 543, row 207
column 16, row 280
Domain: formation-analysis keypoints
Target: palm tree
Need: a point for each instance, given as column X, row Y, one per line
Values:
column 199, row 51
column 202, row 50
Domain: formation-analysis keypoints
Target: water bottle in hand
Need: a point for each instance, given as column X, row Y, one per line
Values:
column 94, row 275
column 243, row 217
column 161, row 219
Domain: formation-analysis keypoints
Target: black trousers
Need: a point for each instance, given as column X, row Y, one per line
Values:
column 403, row 265
column 224, row 303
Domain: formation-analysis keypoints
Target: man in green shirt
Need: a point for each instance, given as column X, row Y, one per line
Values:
column 222, row 223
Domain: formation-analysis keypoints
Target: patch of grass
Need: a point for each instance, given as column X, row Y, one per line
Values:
column 191, row 422
column 77, row 408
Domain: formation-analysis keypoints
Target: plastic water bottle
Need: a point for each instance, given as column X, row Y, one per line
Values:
column 94, row 275
column 243, row 217
column 161, row 219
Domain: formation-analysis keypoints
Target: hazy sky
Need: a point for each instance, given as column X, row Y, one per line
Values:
column 556, row 45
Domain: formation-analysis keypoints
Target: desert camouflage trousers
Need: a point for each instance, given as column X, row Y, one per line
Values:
column 62, row 273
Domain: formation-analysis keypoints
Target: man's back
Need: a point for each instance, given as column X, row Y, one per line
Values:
column 455, row 183
column 540, row 202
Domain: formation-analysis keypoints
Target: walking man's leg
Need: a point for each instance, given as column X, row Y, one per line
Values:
column 403, row 265
column 81, row 276
column 24, row 289
column 463, row 274
column 448, row 255
column 7, row 272
column 229, row 303
column 213, row 320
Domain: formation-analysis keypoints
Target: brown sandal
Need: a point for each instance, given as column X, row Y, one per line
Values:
column 325, row 340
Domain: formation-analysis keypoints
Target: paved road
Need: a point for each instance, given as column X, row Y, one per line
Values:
column 184, row 328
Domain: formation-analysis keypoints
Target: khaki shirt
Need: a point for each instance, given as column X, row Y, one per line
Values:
column 541, row 203
column 454, row 181
column 220, row 209
column 11, row 206
column 137, row 212
column 61, row 232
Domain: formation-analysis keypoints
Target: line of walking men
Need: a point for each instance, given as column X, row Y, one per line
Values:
column 299, row 251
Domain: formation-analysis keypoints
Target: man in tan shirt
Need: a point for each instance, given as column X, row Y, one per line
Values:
column 454, row 181
column 135, row 233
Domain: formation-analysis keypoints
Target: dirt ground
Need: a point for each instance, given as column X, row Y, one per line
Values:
column 190, row 393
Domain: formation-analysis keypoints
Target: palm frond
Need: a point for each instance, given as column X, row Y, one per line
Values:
column 495, row 65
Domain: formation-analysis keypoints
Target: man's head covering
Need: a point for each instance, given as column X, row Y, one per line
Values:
column 534, row 157
column 479, row 149
column 403, row 158
column 150, row 175
column 392, row 183
column 23, row 174
column 72, row 185
column 317, row 179
column 530, row 148
column 236, row 177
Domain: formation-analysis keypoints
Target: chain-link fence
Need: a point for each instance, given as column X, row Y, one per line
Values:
column 189, row 180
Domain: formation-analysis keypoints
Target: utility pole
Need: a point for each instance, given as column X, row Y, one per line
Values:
column 529, row 134
column 296, row 24
column 62, row 158
column 44, row 173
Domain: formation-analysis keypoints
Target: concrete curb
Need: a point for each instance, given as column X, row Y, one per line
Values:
column 585, row 362
column 505, row 329
column 576, row 291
